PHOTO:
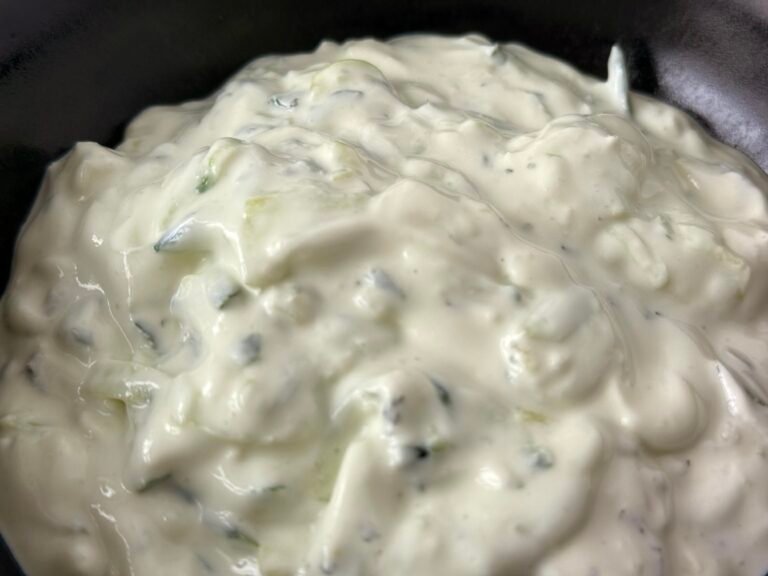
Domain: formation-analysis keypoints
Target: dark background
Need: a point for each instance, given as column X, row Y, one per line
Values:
column 79, row 69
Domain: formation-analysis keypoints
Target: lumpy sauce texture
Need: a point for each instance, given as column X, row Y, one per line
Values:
column 434, row 306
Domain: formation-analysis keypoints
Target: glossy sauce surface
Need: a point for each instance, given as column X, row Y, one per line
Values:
column 434, row 306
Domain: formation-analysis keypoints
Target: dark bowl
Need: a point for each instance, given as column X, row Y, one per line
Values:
column 78, row 70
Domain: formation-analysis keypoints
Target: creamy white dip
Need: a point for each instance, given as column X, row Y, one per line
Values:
column 434, row 306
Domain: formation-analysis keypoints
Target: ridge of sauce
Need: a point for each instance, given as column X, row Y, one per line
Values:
column 429, row 306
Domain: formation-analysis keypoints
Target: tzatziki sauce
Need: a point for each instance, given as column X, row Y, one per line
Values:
column 428, row 307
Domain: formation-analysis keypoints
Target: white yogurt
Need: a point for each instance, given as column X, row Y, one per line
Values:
column 434, row 306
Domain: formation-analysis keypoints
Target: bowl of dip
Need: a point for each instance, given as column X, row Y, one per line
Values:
column 327, row 331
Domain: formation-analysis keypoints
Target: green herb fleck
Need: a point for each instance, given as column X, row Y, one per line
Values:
column 273, row 489
column 248, row 350
column 205, row 182
column 235, row 533
column 416, row 453
column 172, row 237
column 442, row 392
column 539, row 458
column 146, row 332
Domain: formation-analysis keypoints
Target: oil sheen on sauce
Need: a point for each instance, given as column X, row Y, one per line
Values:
column 433, row 306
